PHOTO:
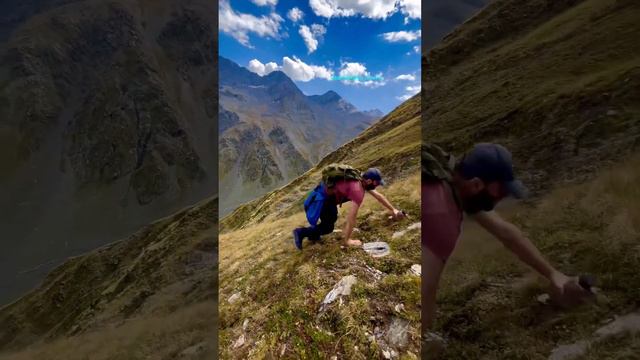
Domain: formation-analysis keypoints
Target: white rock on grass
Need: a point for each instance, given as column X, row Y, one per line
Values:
column 245, row 324
column 238, row 343
column 415, row 226
column 401, row 233
column 235, row 297
column 398, row 335
column 416, row 269
column 629, row 323
column 342, row 288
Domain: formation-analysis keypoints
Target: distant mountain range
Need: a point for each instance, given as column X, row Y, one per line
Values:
column 270, row 132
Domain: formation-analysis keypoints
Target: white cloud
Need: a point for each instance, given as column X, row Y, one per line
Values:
column 398, row 36
column 310, row 36
column 374, row 9
column 295, row 14
column 265, row 2
column 411, row 90
column 262, row 69
column 297, row 70
column 414, row 50
column 318, row 29
column 353, row 73
column 412, row 9
column 407, row 77
column 239, row 25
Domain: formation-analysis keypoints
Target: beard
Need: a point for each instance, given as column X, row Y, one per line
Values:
column 369, row 186
column 481, row 201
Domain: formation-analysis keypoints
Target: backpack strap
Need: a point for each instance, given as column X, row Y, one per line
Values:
column 436, row 163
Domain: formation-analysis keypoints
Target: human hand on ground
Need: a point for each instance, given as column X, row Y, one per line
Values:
column 353, row 242
column 397, row 214
column 567, row 291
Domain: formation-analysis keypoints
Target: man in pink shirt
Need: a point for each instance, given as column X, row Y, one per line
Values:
column 344, row 191
column 473, row 185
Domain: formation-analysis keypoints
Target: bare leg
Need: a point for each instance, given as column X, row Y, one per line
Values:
column 432, row 268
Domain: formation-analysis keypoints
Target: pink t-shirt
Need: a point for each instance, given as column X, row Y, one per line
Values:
column 441, row 219
column 346, row 190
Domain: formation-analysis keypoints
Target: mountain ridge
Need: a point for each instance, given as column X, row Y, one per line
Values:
column 272, row 132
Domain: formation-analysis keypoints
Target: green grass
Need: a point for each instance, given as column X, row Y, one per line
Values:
column 544, row 90
column 283, row 289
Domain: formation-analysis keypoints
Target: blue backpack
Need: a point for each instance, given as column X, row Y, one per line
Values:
column 313, row 204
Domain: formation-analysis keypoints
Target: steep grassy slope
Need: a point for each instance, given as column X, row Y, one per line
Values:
column 152, row 293
column 557, row 82
column 107, row 122
column 271, row 293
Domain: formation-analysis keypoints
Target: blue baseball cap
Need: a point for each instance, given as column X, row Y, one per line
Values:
column 373, row 174
column 492, row 162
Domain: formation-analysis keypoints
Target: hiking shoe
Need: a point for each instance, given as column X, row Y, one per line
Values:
column 297, row 238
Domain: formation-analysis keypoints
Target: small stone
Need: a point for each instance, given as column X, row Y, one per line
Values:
column 416, row 269
column 415, row 226
column 245, row 324
column 399, row 307
column 543, row 299
column 386, row 354
column 342, row 288
column 398, row 333
column 235, row 297
column 239, row 342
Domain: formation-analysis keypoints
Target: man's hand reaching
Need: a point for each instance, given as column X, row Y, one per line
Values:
column 566, row 291
column 397, row 214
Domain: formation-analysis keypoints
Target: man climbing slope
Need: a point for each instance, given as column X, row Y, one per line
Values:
column 474, row 185
column 340, row 184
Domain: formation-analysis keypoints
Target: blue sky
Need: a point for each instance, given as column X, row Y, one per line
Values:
column 357, row 50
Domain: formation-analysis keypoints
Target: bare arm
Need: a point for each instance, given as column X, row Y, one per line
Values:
column 514, row 240
column 351, row 221
column 566, row 289
column 382, row 200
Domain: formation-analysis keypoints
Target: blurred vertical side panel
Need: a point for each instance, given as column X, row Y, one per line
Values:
column 108, row 179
